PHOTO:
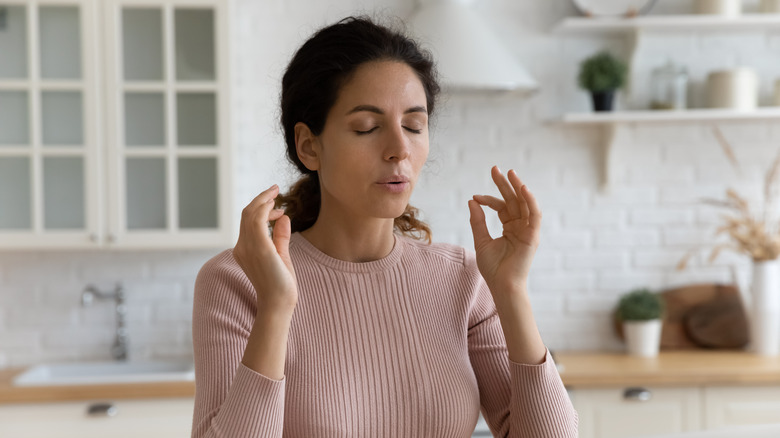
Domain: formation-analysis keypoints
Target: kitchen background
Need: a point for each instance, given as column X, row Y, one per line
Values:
column 595, row 246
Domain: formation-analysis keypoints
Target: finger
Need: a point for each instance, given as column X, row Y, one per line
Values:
column 535, row 213
column 517, row 185
column 275, row 214
column 264, row 196
column 510, row 197
column 495, row 204
column 491, row 201
column 478, row 226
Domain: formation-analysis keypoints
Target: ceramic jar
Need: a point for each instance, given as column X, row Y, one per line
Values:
column 734, row 89
column 728, row 8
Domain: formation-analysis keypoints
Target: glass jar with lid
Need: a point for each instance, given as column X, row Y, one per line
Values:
column 669, row 87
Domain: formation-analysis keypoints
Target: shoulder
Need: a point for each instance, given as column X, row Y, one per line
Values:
column 221, row 275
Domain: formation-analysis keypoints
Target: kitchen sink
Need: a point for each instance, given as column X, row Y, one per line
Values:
column 85, row 373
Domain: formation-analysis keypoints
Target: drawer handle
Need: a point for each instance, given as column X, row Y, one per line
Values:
column 102, row 410
column 637, row 394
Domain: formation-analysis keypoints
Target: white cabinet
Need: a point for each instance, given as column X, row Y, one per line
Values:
column 620, row 413
column 739, row 406
column 627, row 412
column 149, row 418
column 114, row 127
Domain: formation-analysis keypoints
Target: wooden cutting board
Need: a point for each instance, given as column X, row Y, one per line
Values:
column 702, row 316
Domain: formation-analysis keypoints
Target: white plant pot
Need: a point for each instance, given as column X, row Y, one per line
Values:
column 643, row 338
column 728, row 8
column 765, row 308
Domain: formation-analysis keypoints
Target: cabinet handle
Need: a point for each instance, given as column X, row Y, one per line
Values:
column 112, row 238
column 637, row 394
column 102, row 410
column 93, row 237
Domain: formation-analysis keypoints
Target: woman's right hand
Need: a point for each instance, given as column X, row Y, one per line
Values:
column 265, row 258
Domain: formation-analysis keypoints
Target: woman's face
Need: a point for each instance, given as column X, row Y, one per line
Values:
column 375, row 141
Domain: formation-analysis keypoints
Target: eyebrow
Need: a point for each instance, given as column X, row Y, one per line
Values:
column 373, row 109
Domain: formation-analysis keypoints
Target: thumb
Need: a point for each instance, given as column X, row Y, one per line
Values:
column 478, row 226
column 281, row 237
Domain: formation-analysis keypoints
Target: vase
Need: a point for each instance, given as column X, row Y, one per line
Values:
column 602, row 100
column 643, row 338
column 765, row 308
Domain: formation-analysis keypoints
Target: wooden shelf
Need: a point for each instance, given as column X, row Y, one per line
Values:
column 667, row 22
column 658, row 116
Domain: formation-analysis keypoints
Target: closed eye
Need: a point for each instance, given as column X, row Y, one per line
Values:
column 366, row 132
column 413, row 131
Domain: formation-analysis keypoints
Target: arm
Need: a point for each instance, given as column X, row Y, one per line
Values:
column 241, row 323
column 231, row 399
column 517, row 399
column 539, row 404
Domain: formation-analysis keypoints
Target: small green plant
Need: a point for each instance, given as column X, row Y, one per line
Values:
column 602, row 72
column 640, row 305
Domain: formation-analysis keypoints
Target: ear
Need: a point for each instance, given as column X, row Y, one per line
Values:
column 307, row 145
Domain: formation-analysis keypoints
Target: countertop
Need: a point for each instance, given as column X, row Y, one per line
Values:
column 30, row 394
column 670, row 368
column 577, row 369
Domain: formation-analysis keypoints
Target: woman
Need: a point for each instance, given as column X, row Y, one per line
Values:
column 342, row 322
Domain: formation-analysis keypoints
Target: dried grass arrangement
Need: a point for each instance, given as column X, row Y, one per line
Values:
column 755, row 235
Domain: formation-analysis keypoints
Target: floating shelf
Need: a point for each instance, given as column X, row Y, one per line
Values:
column 617, row 134
column 667, row 22
column 650, row 116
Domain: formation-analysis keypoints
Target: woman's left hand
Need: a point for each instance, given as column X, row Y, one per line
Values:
column 506, row 261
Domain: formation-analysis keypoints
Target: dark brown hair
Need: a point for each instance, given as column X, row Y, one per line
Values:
column 310, row 87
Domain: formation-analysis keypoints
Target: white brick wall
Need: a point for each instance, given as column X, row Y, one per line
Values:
column 595, row 246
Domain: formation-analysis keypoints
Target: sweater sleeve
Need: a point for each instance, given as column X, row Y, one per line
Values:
column 517, row 400
column 231, row 400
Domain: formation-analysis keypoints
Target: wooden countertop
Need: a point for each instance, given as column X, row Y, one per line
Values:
column 29, row 394
column 577, row 369
column 670, row 368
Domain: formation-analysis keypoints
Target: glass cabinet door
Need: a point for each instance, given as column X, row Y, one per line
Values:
column 47, row 151
column 169, row 145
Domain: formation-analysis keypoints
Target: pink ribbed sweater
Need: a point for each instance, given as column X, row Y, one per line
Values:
column 406, row 346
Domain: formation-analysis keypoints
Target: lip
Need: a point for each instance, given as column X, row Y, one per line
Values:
column 394, row 179
column 396, row 183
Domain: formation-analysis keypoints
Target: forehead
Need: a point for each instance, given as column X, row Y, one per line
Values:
column 386, row 84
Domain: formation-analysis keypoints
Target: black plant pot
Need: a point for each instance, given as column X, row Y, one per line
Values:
column 602, row 100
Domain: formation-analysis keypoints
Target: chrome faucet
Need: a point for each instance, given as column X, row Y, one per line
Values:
column 90, row 293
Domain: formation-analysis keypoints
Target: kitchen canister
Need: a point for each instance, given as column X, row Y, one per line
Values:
column 770, row 6
column 733, row 89
column 669, row 87
column 777, row 93
column 728, row 8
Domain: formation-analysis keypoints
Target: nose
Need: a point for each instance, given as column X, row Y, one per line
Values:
column 397, row 147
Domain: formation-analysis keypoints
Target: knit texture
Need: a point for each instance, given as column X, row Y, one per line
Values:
column 406, row 346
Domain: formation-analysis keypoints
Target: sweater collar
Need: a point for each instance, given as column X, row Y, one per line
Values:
column 390, row 260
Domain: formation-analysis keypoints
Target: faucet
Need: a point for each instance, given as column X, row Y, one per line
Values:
column 90, row 293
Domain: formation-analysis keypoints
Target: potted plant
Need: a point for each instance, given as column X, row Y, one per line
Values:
column 602, row 74
column 640, row 312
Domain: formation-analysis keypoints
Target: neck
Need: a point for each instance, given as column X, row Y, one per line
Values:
column 352, row 241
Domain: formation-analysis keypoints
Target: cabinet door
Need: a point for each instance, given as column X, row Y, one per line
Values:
column 620, row 413
column 48, row 127
column 168, row 145
column 131, row 418
column 738, row 406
